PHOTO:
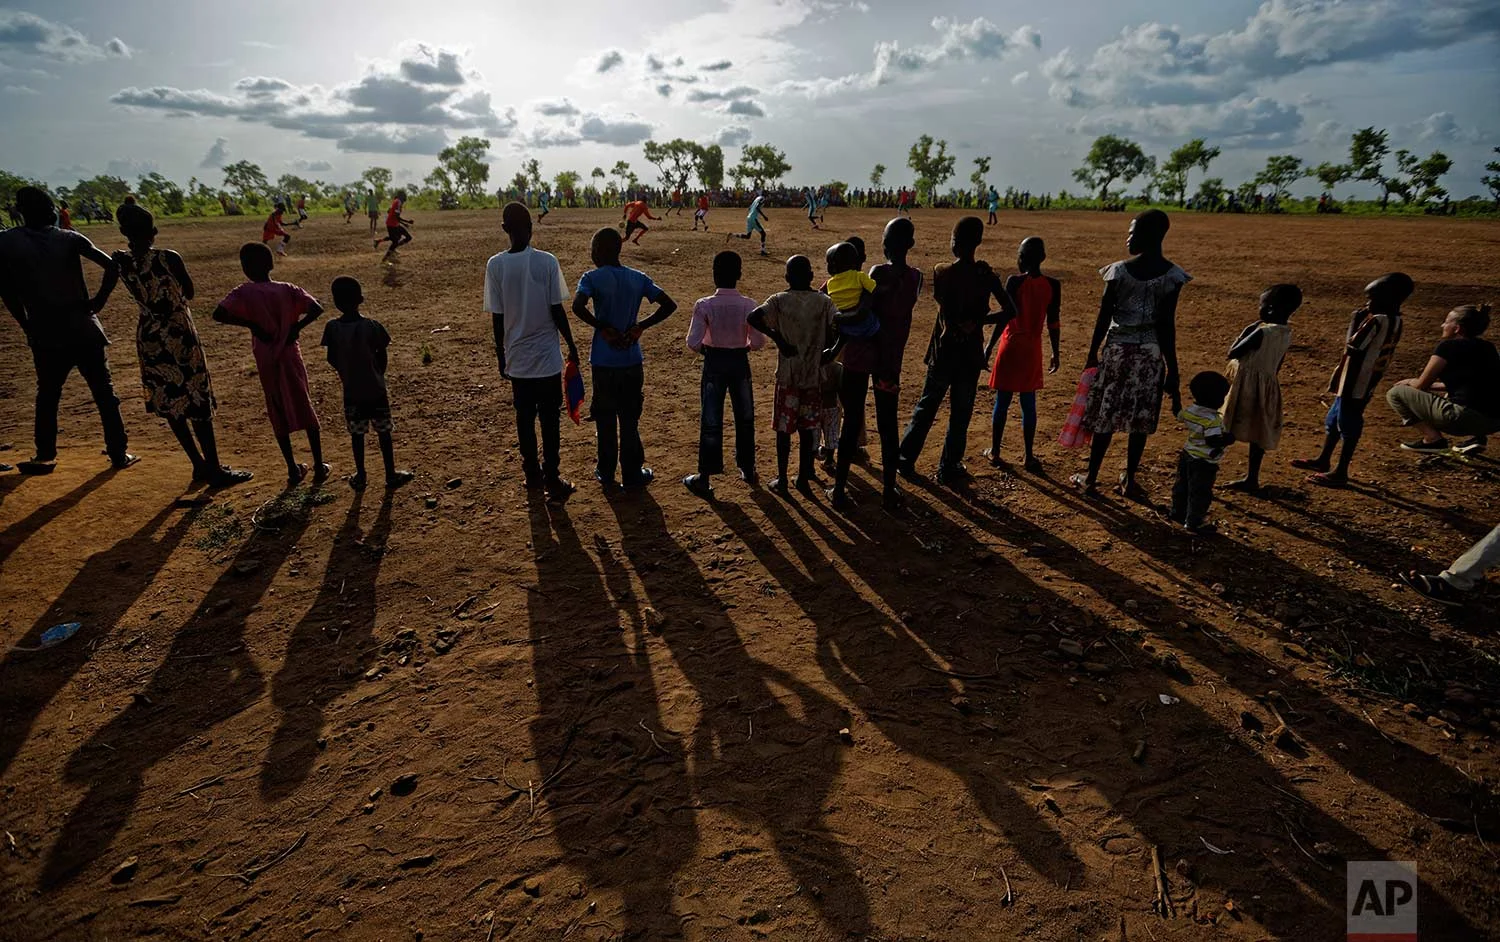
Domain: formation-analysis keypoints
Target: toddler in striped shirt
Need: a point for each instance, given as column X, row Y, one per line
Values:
column 1198, row 464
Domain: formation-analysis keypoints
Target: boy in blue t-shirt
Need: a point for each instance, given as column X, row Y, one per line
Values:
column 616, row 357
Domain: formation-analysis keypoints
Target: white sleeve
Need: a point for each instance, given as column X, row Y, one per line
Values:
column 559, row 292
column 493, row 302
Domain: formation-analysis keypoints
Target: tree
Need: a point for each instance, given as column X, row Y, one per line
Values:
column 877, row 176
column 465, row 163
column 1330, row 175
column 737, row 176
column 1491, row 180
column 1210, row 191
column 247, row 181
column 160, row 194
column 1174, row 172
column 763, row 164
column 1367, row 152
column 377, row 179
column 293, row 185
column 1148, row 189
column 1422, row 176
column 1111, row 158
column 709, row 167
column 932, row 167
column 519, row 182
column 621, row 172
column 1279, row 173
column 533, row 170
column 980, row 174
column 1173, row 185
column 440, row 180
column 675, row 161
column 566, row 182
column 598, row 174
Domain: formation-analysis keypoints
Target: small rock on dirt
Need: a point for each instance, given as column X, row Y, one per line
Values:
column 421, row 860
column 655, row 621
column 405, row 784
column 1095, row 667
column 246, row 567
column 453, row 483
column 845, row 736
column 962, row 705
column 532, row 888
column 125, row 872
column 1070, row 647
column 1295, row 650
column 431, row 501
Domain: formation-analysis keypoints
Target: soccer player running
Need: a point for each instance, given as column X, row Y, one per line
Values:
column 753, row 222
column 395, row 226
column 631, row 216
column 701, row 215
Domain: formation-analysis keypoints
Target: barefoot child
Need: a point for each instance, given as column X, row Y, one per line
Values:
column 357, row 349
column 851, row 291
column 1252, row 412
column 619, row 371
column 720, row 332
column 276, row 312
column 800, row 322
column 396, row 231
column 1374, row 331
column 877, row 360
column 1017, row 363
column 631, row 216
column 955, row 354
column 1198, row 463
column 174, row 372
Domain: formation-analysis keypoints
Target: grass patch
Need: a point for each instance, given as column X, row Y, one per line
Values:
column 220, row 525
column 281, row 509
column 426, row 355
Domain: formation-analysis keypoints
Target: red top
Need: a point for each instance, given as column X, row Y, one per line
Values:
column 393, row 215
column 637, row 209
column 703, row 201
column 272, row 228
column 1018, row 358
column 65, row 219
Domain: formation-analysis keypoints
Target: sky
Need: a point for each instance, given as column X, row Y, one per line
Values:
column 325, row 89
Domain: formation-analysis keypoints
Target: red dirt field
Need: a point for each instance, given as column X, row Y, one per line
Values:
column 625, row 718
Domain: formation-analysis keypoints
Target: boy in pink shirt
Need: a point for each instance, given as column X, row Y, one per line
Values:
column 275, row 312
column 720, row 333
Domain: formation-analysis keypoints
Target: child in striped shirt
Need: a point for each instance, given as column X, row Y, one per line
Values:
column 1198, row 464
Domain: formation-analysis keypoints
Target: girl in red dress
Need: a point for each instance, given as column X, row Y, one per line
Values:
column 1017, row 364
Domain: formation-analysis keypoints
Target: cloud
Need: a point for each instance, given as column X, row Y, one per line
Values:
column 1443, row 127
column 20, row 90
column 592, row 129
column 745, row 108
column 393, row 140
column 556, row 108
column 725, row 94
column 612, row 58
column 1019, row 77
column 1246, row 120
column 217, row 156
column 27, row 34
column 429, row 66
column 977, row 40
column 1151, row 64
column 734, row 135
column 719, row 66
column 405, row 105
column 130, row 169
column 664, row 89
column 310, row 166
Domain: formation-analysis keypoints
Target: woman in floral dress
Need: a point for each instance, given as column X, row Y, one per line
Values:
column 174, row 372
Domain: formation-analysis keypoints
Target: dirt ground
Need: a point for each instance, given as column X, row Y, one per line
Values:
column 455, row 712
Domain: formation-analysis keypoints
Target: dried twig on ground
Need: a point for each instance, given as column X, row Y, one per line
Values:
column 1163, row 902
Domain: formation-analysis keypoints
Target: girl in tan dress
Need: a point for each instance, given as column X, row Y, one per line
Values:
column 1252, row 413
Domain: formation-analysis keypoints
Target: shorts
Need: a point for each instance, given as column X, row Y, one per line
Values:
column 794, row 410
column 362, row 417
column 374, row 214
column 700, row 214
column 393, row 232
column 753, row 225
column 633, row 225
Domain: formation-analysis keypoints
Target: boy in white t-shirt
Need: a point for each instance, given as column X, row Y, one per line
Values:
column 524, row 293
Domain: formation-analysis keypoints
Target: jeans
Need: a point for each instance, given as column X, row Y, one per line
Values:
column 1193, row 490
column 1443, row 414
column 1347, row 418
column 726, row 372
column 961, row 384
column 539, row 400
column 1468, row 570
column 852, row 391
column 53, row 366
column 619, row 397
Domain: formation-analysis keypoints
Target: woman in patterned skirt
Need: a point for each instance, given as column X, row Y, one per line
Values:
column 174, row 372
column 1135, row 350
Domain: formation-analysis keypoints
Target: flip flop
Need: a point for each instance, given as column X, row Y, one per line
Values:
column 296, row 476
column 1311, row 464
column 1433, row 587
